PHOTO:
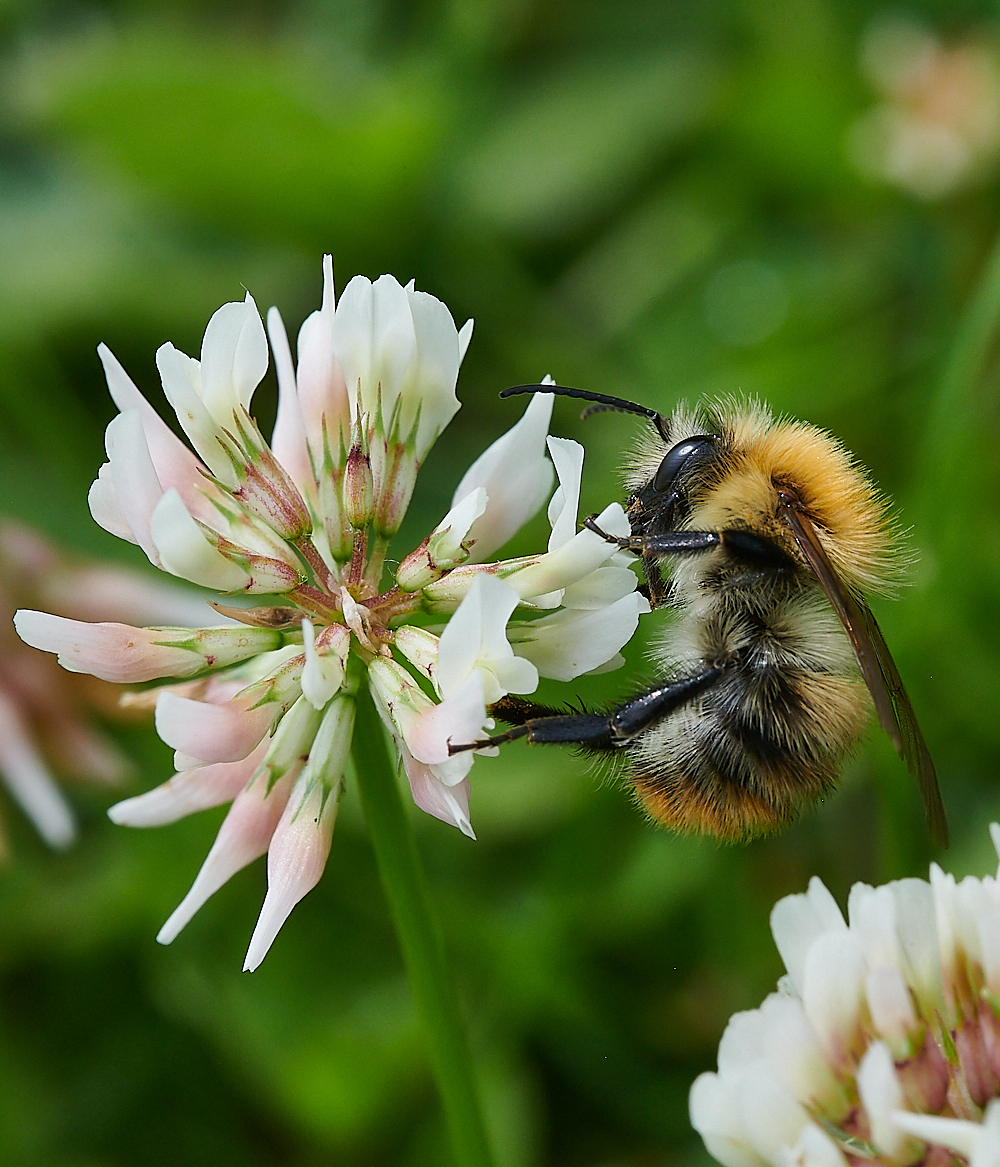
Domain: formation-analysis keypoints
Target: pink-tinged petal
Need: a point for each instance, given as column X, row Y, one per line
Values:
column 450, row 804
column 295, row 861
column 188, row 791
column 459, row 718
column 516, row 475
column 113, row 652
column 321, row 385
column 185, row 552
column 242, row 838
column 212, row 733
column 137, row 488
column 28, row 780
column 175, row 465
column 288, row 441
column 233, row 359
column 105, row 509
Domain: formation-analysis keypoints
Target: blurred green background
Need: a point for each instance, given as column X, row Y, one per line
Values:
column 654, row 200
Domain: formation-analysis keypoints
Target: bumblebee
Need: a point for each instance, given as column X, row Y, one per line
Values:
column 761, row 536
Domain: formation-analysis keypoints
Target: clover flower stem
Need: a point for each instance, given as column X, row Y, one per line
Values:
column 308, row 550
column 376, row 561
column 419, row 935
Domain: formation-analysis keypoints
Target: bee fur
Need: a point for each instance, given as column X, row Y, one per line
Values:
column 766, row 661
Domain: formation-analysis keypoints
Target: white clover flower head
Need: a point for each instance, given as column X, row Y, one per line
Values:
column 261, row 711
column 882, row 1044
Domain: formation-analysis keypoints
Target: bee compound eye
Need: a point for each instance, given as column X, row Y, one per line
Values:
column 682, row 459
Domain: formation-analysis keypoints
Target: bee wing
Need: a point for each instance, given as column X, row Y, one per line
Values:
column 895, row 713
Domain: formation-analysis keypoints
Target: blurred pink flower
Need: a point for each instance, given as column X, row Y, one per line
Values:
column 938, row 125
column 46, row 717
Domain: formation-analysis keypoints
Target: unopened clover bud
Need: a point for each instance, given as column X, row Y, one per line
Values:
column 358, row 491
column 291, row 742
column 445, row 547
column 265, row 575
column 268, row 492
column 398, row 479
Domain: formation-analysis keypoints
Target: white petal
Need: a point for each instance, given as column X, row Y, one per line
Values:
column 891, row 1008
column 798, row 920
column 768, row 1111
column 213, row 733
column 137, row 488
column 233, row 359
column 431, row 377
column 394, row 343
column 27, row 778
column 486, row 608
column 175, row 464
column 567, row 457
column 324, row 670
column 242, row 838
column 715, row 1117
column 185, row 552
column 180, row 376
column 516, row 475
column 458, row 521
column 833, row 980
column 601, row 588
column 187, row 792
column 569, row 643
column 814, row 1149
column 450, row 804
column 881, row 1095
column 574, row 560
column 288, row 439
column 105, row 508
column 792, row 1048
column 464, row 336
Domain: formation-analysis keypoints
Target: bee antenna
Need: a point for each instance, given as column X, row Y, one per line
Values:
column 602, row 402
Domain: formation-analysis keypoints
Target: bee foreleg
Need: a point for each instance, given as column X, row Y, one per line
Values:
column 667, row 543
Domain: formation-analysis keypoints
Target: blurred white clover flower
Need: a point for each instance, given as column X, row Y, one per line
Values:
column 264, row 712
column 881, row 1045
column 938, row 125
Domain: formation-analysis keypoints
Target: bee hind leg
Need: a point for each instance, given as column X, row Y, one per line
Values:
column 596, row 731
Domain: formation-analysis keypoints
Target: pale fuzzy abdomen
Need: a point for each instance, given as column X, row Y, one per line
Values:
column 768, row 738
